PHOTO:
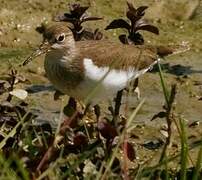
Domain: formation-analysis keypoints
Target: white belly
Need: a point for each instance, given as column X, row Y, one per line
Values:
column 102, row 83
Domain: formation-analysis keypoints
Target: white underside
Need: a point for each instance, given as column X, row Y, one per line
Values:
column 106, row 81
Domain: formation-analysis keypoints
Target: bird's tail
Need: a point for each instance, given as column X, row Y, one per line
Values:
column 163, row 51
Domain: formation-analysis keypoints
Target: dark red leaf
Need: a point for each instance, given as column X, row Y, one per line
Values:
column 70, row 108
column 135, row 38
column 143, row 25
column 118, row 23
column 130, row 152
column 68, row 16
column 141, row 10
column 131, row 7
column 80, row 139
column 107, row 130
column 123, row 38
column 90, row 19
column 131, row 13
column 77, row 11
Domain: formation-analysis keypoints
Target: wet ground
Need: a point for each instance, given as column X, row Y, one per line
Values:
column 18, row 37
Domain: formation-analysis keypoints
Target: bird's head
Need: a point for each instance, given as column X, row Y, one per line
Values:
column 56, row 37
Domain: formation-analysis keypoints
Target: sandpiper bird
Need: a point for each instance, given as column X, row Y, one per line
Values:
column 77, row 67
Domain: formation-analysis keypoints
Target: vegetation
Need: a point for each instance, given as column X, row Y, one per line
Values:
column 137, row 23
column 80, row 148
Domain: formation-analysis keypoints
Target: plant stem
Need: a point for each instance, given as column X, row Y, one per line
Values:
column 184, row 151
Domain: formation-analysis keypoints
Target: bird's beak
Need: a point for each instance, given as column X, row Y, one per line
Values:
column 43, row 48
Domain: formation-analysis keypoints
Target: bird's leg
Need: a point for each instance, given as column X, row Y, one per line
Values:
column 117, row 105
column 135, row 88
column 97, row 111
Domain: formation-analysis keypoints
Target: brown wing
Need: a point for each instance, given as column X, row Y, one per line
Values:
column 119, row 56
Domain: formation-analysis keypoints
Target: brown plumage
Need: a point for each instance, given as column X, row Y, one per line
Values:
column 117, row 55
column 75, row 68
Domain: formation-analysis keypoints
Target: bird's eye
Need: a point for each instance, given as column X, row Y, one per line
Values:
column 61, row 38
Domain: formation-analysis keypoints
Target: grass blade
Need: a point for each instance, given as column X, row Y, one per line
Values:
column 198, row 165
column 165, row 91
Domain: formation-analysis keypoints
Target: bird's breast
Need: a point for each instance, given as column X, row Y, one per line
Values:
column 62, row 75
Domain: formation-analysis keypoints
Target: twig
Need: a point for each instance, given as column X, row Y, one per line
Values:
column 53, row 148
column 97, row 112
column 169, row 118
column 125, row 158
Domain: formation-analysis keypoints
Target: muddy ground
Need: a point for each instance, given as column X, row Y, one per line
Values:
column 179, row 23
